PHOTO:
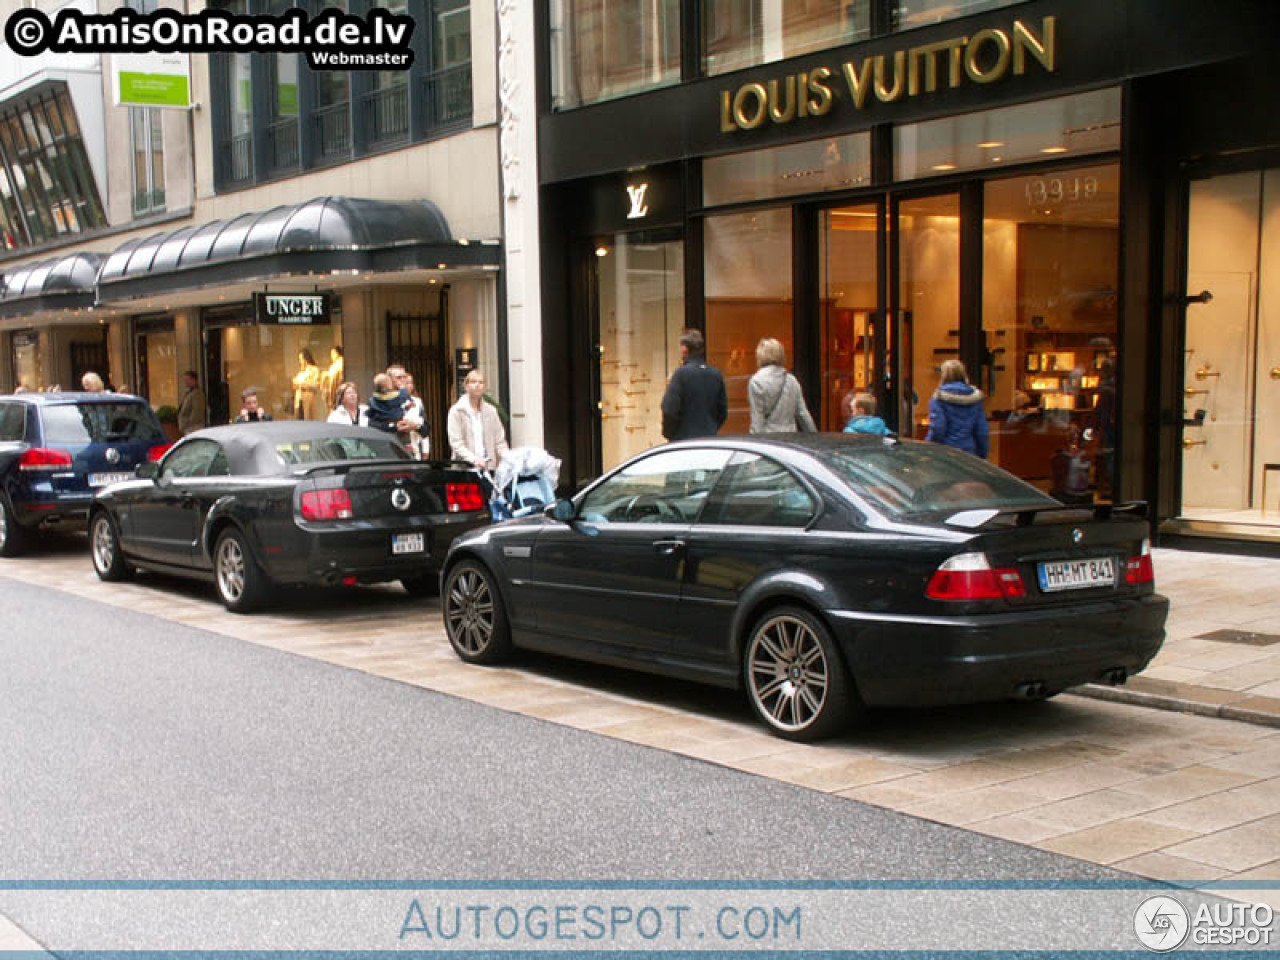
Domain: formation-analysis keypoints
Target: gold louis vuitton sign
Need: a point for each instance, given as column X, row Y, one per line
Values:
column 987, row 56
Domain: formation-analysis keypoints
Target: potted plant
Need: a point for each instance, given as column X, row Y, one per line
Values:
column 168, row 417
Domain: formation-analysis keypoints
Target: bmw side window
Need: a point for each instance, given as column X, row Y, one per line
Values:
column 759, row 492
column 194, row 459
column 668, row 487
column 13, row 420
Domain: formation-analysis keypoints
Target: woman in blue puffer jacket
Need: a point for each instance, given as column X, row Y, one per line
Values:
column 956, row 417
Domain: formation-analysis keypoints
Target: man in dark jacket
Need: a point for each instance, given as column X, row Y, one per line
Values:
column 695, row 404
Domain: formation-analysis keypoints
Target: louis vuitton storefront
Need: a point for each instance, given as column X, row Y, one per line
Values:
column 1033, row 189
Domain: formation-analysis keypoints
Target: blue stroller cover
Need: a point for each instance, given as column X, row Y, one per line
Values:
column 524, row 483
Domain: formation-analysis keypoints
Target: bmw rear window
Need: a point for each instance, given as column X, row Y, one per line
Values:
column 906, row 480
column 100, row 423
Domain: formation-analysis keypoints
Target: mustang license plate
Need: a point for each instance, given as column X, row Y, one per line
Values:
column 1078, row 574
column 105, row 479
column 408, row 543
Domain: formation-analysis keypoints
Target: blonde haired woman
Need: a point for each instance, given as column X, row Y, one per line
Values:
column 956, row 417
column 777, row 402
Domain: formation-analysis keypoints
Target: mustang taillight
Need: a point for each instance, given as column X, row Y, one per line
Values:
column 464, row 497
column 970, row 576
column 42, row 458
column 326, row 505
column 1139, row 569
column 158, row 451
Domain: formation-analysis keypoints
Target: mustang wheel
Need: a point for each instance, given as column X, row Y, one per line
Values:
column 473, row 614
column 13, row 538
column 794, row 676
column 104, row 547
column 241, row 584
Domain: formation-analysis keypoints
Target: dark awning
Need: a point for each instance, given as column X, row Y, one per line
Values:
column 61, row 283
column 320, row 236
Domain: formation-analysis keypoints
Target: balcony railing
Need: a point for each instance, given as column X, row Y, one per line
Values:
column 446, row 99
column 333, row 131
column 282, row 144
column 240, row 158
column 386, row 114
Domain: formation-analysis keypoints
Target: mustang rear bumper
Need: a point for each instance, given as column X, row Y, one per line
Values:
column 916, row 661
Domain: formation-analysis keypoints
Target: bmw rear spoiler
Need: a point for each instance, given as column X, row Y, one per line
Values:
column 1025, row 516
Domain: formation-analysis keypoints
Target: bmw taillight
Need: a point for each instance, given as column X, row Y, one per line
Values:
column 42, row 458
column 158, row 451
column 464, row 497
column 970, row 576
column 326, row 505
column 1139, row 569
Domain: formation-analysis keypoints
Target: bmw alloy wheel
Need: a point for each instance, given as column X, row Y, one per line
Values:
column 230, row 569
column 795, row 677
column 469, row 611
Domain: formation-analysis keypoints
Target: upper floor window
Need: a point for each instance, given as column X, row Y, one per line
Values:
column 147, row 153
column 744, row 33
column 602, row 49
column 273, row 115
column 919, row 13
column 47, row 188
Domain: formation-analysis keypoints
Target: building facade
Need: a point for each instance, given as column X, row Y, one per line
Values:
column 1040, row 189
column 292, row 229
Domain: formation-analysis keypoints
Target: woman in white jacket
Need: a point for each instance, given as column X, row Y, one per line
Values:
column 349, row 409
column 777, row 402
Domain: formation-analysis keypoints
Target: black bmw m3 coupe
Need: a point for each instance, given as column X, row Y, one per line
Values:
column 821, row 573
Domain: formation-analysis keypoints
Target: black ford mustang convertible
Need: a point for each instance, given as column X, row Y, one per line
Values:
column 255, row 504
column 821, row 574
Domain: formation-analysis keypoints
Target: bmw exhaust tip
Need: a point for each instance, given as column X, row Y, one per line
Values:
column 1030, row 691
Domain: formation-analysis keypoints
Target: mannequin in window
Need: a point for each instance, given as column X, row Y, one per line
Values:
column 330, row 379
column 306, row 386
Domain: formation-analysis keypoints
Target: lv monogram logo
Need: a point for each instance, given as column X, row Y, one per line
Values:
column 638, row 207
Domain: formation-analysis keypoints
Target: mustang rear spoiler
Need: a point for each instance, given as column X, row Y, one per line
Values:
column 1025, row 516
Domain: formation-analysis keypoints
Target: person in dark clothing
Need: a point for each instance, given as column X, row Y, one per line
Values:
column 386, row 405
column 956, row 417
column 695, row 404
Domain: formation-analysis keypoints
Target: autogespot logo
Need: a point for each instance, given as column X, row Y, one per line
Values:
column 1161, row 923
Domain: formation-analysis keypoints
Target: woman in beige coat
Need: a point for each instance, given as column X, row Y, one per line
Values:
column 475, row 430
column 777, row 402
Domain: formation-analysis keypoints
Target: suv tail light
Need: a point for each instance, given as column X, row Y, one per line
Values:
column 464, row 497
column 1139, row 569
column 970, row 576
column 158, row 451
column 42, row 458
column 326, row 505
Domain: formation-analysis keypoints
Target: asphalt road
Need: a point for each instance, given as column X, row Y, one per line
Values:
column 133, row 748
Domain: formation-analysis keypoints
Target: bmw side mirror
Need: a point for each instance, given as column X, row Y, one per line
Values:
column 147, row 471
column 562, row 510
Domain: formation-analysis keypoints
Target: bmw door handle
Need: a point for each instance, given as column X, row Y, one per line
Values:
column 668, row 548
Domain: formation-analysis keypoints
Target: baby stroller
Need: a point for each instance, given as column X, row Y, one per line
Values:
column 524, row 483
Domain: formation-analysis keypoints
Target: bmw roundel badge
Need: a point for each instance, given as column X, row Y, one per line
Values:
column 1077, row 535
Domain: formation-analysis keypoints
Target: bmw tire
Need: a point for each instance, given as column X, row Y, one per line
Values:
column 795, row 677
column 474, row 616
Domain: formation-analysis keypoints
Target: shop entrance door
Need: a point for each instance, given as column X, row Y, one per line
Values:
column 1231, row 379
column 639, row 312
column 850, row 294
column 926, row 301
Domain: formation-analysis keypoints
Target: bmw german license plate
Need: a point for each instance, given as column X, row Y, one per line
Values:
column 105, row 479
column 1078, row 574
column 408, row 543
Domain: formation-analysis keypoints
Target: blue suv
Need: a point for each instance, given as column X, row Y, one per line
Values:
column 58, row 449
